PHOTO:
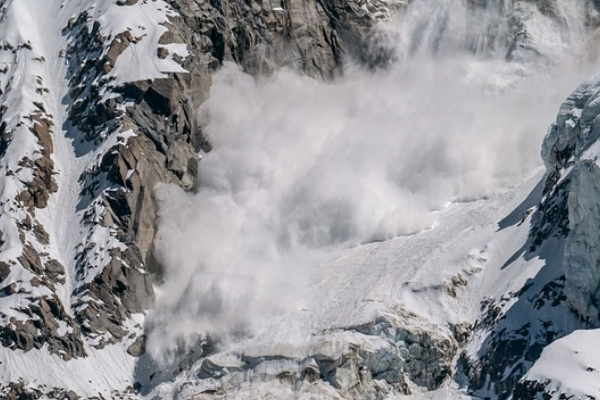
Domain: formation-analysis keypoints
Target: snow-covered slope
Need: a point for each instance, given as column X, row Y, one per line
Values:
column 462, row 308
column 387, row 234
column 568, row 368
column 570, row 205
column 53, row 244
column 385, row 318
column 474, row 306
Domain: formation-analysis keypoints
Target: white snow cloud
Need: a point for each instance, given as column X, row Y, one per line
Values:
column 300, row 167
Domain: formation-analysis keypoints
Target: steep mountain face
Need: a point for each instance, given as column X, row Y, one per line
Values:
column 127, row 81
column 99, row 104
column 101, row 101
column 570, row 153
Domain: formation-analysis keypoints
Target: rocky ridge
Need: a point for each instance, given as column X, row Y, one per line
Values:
column 567, row 212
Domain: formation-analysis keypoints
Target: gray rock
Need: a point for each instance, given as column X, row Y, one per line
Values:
column 360, row 371
column 571, row 190
column 310, row 36
column 137, row 348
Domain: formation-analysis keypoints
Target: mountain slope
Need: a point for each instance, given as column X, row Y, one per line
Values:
column 84, row 140
column 383, row 319
column 387, row 167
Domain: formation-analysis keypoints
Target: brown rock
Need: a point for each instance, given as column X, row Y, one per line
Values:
column 42, row 132
column 4, row 270
column 118, row 46
column 137, row 348
column 163, row 53
column 55, row 270
column 30, row 260
column 41, row 234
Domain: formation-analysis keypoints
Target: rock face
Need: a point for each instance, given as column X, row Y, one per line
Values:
column 568, row 217
column 372, row 361
column 564, row 232
column 563, row 297
column 570, row 152
column 33, row 313
column 512, row 332
column 160, row 117
column 311, row 36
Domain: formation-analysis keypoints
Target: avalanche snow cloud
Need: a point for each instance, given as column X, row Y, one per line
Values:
column 300, row 167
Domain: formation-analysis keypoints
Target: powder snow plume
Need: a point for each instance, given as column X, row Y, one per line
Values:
column 300, row 167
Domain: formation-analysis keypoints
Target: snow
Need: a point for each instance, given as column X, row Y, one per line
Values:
column 407, row 279
column 592, row 152
column 431, row 279
column 20, row 26
column 145, row 20
column 103, row 371
column 571, row 365
column 575, row 133
column 34, row 81
column 104, row 239
column 404, row 276
column 412, row 272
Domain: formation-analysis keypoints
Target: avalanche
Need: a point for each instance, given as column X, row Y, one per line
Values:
column 386, row 234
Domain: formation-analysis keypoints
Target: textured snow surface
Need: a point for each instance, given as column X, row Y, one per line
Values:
column 316, row 168
column 407, row 277
column 571, row 365
column 102, row 372
column 145, row 20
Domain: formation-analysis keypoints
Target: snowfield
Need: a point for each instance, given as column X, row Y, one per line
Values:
column 409, row 278
column 569, row 367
